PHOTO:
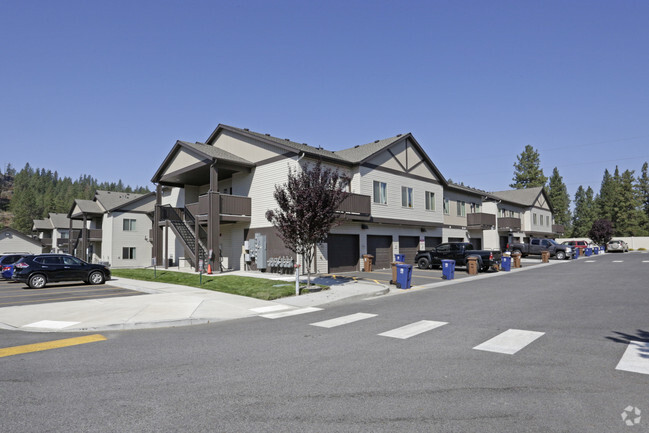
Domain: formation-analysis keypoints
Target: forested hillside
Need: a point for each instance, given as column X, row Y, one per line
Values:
column 32, row 193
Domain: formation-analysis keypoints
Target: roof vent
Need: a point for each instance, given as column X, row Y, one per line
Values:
column 287, row 139
column 399, row 135
column 356, row 146
column 305, row 144
column 246, row 129
column 376, row 141
column 268, row 135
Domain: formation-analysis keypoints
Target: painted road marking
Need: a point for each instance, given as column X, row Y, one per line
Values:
column 50, row 324
column 590, row 261
column 510, row 341
column 635, row 358
column 618, row 261
column 645, row 261
column 343, row 320
column 290, row 313
column 56, row 344
column 269, row 309
column 413, row 329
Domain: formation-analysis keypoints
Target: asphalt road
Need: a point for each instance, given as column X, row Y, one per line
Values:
column 13, row 293
column 287, row 374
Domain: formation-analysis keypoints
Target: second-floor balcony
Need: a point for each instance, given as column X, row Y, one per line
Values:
column 231, row 207
column 94, row 234
column 356, row 204
column 509, row 223
column 480, row 220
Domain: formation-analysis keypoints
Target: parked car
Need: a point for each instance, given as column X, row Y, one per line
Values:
column 458, row 251
column 582, row 245
column 38, row 270
column 617, row 245
column 537, row 246
column 7, row 264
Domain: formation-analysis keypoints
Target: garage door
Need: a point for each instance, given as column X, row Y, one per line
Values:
column 432, row 242
column 409, row 245
column 381, row 248
column 342, row 251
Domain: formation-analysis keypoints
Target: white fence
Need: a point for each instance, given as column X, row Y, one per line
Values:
column 634, row 242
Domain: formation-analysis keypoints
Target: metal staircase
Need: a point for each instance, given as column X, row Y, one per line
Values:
column 183, row 225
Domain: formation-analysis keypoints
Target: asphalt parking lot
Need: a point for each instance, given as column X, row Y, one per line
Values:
column 13, row 293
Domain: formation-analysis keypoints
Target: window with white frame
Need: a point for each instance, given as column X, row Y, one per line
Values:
column 541, row 222
column 430, row 200
column 406, row 196
column 447, row 207
column 461, row 208
column 547, row 220
column 534, row 218
column 475, row 208
column 380, row 192
column 128, row 225
column 128, row 253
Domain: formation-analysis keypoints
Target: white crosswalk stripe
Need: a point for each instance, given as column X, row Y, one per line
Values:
column 332, row 323
column 635, row 358
column 270, row 308
column 413, row 329
column 618, row 261
column 510, row 341
column 290, row 313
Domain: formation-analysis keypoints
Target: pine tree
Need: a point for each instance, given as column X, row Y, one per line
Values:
column 584, row 214
column 628, row 217
column 643, row 193
column 559, row 199
column 527, row 171
column 608, row 195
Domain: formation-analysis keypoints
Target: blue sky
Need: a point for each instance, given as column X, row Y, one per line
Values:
column 106, row 88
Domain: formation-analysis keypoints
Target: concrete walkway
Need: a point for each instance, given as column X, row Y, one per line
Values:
column 167, row 305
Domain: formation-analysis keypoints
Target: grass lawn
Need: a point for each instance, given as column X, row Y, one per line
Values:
column 259, row 288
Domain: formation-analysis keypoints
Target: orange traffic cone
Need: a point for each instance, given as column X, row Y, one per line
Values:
column 209, row 268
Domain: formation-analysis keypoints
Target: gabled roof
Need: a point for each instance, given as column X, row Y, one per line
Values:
column 87, row 206
column 13, row 232
column 215, row 152
column 524, row 196
column 283, row 143
column 61, row 221
column 110, row 200
column 470, row 190
column 42, row 225
column 362, row 152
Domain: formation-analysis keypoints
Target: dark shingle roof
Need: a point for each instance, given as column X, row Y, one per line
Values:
column 114, row 199
column 360, row 153
column 42, row 225
column 525, row 196
column 61, row 221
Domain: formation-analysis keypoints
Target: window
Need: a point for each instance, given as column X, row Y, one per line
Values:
column 541, row 222
column 447, row 207
column 475, row 207
column 71, row 261
column 461, row 210
column 534, row 218
column 406, row 196
column 128, row 225
column 547, row 221
column 380, row 192
column 128, row 253
column 430, row 200
column 501, row 213
column 65, row 234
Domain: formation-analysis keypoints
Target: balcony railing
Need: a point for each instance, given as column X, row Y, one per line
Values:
column 94, row 234
column 509, row 223
column 480, row 220
column 228, row 205
column 356, row 204
column 46, row 242
column 558, row 229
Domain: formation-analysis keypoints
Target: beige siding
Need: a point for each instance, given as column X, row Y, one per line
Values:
column 246, row 148
column 137, row 238
column 182, row 159
column 9, row 243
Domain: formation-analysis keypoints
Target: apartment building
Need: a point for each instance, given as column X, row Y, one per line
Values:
column 54, row 232
column 218, row 193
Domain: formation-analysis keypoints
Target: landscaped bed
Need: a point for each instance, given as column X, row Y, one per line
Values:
column 259, row 288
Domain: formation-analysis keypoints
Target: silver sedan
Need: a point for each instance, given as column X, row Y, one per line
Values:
column 617, row 245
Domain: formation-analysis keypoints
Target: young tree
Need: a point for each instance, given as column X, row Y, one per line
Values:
column 308, row 209
column 527, row 171
column 601, row 232
column 584, row 214
column 559, row 199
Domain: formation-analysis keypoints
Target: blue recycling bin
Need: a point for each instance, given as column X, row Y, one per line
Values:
column 400, row 258
column 588, row 252
column 404, row 276
column 596, row 250
column 506, row 263
column 576, row 256
column 448, row 269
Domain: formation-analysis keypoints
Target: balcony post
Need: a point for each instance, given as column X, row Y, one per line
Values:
column 70, row 238
column 84, row 238
column 213, row 217
column 157, row 230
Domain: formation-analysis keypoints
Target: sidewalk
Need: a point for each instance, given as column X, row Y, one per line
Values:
column 164, row 305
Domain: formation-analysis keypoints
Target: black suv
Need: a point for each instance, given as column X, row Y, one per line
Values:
column 38, row 270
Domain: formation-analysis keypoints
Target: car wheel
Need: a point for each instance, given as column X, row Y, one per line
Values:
column 423, row 263
column 37, row 281
column 560, row 255
column 96, row 278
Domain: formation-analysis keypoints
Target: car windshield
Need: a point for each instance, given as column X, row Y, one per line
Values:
column 553, row 242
